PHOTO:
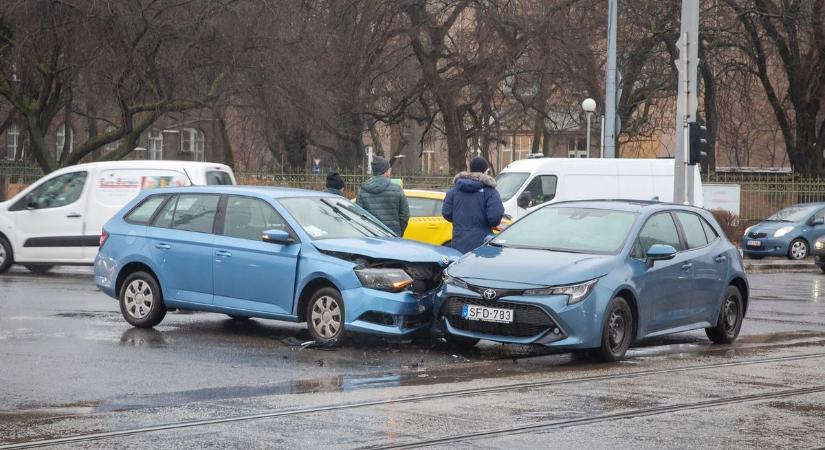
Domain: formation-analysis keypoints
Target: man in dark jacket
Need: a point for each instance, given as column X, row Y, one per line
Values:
column 335, row 184
column 384, row 200
column 473, row 205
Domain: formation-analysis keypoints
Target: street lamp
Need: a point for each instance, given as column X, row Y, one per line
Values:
column 589, row 107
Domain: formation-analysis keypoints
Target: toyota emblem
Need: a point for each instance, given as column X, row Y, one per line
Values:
column 489, row 294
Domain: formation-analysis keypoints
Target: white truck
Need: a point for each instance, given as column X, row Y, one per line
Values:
column 527, row 183
column 59, row 218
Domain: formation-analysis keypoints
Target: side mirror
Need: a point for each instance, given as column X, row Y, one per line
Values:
column 31, row 204
column 660, row 252
column 277, row 237
column 525, row 200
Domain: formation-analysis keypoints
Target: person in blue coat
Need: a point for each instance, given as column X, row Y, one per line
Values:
column 473, row 206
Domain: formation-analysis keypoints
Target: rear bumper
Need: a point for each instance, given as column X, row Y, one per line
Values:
column 106, row 270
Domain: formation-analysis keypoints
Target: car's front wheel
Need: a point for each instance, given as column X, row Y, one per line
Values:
column 141, row 300
column 730, row 318
column 617, row 331
column 6, row 255
column 325, row 316
column 798, row 249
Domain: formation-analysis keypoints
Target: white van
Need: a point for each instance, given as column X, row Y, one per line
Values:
column 563, row 179
column 59, row 218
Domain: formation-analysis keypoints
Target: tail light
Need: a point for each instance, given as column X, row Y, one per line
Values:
column 103, row 237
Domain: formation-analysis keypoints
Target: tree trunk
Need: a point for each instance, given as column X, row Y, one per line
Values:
column 295, row 142
column 350, row 141
column 226, row 144
column 538, row 134
column 456, row 137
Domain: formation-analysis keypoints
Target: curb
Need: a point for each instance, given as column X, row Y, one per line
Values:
column 781, row 267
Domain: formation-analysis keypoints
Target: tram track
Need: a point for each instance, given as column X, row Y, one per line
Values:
column 88, row 437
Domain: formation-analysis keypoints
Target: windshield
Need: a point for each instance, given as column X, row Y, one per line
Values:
column 334, row 218
column 570, row 229
column 794, row 214
column 508, row 183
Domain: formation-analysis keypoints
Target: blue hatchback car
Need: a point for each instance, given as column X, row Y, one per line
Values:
column 790, row 232
column 286, row 254
column 597, row 275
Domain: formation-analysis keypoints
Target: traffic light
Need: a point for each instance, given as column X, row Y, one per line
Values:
column 698, row 150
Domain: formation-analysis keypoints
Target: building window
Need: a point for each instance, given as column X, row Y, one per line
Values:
column 192, row 141
column 111, row 146
column 427, row 161
column 524, row 146
column 576, row 149
column 61, row 140
column 155, row 144
column 12, row 141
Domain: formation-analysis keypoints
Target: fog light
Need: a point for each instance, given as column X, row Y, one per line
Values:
column 819, row 245
column 556, row 331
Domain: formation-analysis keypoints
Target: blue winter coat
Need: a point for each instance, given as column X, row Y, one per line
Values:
column 474, row 206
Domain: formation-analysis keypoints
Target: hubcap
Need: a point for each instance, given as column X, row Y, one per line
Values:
column 138, row 299
column 731, row 314
column 616, row 329
column 799, row 250
column 326, row 317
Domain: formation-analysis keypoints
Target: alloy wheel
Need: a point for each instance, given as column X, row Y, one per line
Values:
column 799, row 250
column 138, row 299
column 326, row 317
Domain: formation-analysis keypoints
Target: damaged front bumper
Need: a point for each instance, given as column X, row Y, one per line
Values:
column 387, row 313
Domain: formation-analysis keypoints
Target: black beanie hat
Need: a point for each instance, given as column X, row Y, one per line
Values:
column 335, row 181
column 479, row 164
column 379, row 166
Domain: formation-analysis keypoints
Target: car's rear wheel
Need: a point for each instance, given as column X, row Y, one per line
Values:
column 730, row 318
column 798, row 250
column 39, row 269
column 325, row 316
column 617, row 331
column 141, row 300
column 6, row 255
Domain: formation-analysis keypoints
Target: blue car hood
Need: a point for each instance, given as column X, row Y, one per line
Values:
column 390, row 248
column 502, row 267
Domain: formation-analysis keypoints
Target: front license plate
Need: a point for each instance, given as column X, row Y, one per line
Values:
column 483, row 313
column 754, row 243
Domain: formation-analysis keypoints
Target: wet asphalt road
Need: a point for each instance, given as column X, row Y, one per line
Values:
column 71, row 367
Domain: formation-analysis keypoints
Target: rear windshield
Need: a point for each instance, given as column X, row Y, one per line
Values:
column 218, row 177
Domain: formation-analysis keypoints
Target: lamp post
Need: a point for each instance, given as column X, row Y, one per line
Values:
column 589, row 107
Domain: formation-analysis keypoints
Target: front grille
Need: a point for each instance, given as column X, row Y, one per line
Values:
column 528, row 320
column 755, row 235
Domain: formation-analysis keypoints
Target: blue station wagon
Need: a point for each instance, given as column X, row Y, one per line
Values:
column 285, row 254
column 597, row 275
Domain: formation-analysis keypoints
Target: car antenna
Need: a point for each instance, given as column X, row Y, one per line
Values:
column 191, row 183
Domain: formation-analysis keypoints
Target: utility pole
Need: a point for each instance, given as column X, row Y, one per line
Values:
column 688, row 63
column 609, row 129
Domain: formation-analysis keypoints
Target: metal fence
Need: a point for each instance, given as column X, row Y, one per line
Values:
column 763, row 194
column 15, row 175
column 351, row 181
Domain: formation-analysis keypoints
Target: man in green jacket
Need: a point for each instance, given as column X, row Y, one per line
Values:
column 383, row 199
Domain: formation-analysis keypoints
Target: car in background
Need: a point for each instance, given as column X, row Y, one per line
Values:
column 597, row 276
column 426, row 222
column 274, row 253
column 58, row 219
column 789, row 232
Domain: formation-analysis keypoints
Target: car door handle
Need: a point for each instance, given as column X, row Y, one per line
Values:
column 163, row 246
column 73, row 216
column 687, row 266
column 720, row 258
column 223, row 253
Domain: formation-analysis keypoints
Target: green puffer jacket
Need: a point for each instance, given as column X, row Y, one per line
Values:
column 385, row 201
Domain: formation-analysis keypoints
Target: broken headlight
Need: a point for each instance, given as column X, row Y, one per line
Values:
column 391, row 280
column 455, row 281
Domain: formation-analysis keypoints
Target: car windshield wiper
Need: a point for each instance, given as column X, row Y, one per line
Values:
column 368, row 222
column 366, row 230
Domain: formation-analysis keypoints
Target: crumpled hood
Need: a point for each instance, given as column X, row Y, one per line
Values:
column 491, row 266
column 390, row 248
column 376, row 185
